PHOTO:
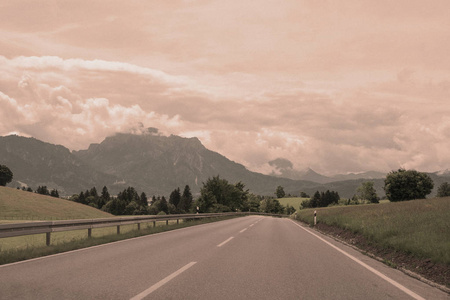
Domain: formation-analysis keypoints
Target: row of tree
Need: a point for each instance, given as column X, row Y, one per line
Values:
column 216, row 195
column 321, row 199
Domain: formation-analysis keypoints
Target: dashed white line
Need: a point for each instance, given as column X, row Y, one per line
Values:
column 243, row 230
column 162, row 282
column 391, row 281
column 226, row 241
column 252, row 224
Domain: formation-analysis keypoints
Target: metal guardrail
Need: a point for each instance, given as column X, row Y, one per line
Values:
column 47, row 227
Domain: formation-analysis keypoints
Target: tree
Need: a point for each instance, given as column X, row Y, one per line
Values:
column 143, row 200
column 104, row 197
column 366, row 191
column 175, row 197
column 186, row 200
column 304, row 195
column 315, row 200
column 405, row 185
column 443, row 190
column 219, row 195
column 43, row 190
column 54, row 193
column 6, row 175
column 280, row 192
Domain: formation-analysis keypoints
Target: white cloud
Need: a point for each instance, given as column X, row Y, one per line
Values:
column 336, row 87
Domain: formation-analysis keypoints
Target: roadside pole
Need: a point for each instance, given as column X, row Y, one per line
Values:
column 315, row 217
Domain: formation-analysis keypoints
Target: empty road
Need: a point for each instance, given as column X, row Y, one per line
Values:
column 244, row 258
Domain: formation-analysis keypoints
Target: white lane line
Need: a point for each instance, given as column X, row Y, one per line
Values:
column 252, row 225
column 243, row 230
column 391, row 281
column 224, row 242
column 162, row 282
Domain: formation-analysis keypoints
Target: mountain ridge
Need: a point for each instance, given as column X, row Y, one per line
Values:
column 154, row 164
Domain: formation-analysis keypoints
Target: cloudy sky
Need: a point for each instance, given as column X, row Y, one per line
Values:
column 338, row 86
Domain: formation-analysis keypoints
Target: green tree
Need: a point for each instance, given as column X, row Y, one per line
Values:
column 219, row 195
column 143, row 200
column 315, row 200
column 175, row 197
column 54, row 193
column 186, row 200
column 280, row 192
column 366, row 191
column 43, row 190
column 405, row 185
column 206, row 201
column 6, row 175
column 104, row 197
column 443, row 190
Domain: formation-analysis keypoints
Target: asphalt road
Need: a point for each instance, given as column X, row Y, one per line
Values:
column 245, row 258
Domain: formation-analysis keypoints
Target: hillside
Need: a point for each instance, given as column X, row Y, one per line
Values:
column 36, row 163
column 159, row 164
column 153, row 164
column 20, row 205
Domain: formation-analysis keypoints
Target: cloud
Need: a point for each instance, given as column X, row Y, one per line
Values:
column 342, row 87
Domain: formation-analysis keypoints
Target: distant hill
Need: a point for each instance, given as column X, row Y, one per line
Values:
column 17, row 204
column 155, row 165
column 35, row 163
column 159, row 164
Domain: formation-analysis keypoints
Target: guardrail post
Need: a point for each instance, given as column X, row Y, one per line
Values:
column 154, row 223
column 315, row 217
column 178, row 221
column 118, row 229
column 167, row 222
column 47, row 238
column 89, row 232
column 139, row 226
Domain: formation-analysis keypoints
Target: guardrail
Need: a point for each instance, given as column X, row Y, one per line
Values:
column 47, row 227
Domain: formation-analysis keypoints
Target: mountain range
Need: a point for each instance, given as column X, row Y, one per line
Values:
column 156, row 165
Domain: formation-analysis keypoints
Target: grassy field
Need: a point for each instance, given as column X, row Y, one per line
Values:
column 418, row 227
column 18, row 206
column 294, row 201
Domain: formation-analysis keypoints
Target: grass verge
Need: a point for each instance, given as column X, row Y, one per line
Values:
column 417, row 227
column 411, row 234
column 62, row 244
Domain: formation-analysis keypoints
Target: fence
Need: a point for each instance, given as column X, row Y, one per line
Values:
column 47, row 227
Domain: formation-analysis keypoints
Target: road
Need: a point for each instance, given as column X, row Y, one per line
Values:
column 244, row 258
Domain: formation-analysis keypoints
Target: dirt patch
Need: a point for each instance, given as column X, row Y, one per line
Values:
column 425, row 268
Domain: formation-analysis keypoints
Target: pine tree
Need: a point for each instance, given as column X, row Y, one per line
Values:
column 175, row 197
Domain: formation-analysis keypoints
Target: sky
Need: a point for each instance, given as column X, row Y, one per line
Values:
column 336, row 86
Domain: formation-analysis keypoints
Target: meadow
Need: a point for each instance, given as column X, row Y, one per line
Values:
column 417, row 227
column 292, row 201
column 18, row 206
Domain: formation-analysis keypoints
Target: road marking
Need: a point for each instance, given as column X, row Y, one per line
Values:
column 107, row 244
column 162, row 282
column 243, row 230
column 391, row 281
column 224, row 242
column 252, row 225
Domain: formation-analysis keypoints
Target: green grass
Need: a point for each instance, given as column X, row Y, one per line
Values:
column 418, row 227
column 19, row 205
column 293, row 201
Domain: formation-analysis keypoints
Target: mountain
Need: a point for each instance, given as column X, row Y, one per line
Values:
column 159, row 164
column 311, row 175
column 156, row 165
column 355, row 176
column 35, row 163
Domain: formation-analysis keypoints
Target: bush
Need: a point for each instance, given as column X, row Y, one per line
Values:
column 404, row 185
